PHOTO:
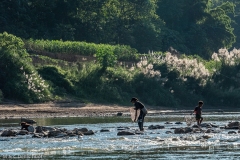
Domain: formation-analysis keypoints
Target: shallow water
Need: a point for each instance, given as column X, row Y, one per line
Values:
column 153, row 144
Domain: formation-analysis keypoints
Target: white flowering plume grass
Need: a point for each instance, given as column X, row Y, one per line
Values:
column 187, row 67
column 228, row 58
column 36, row 84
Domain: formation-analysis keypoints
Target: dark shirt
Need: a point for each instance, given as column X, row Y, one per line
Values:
column 139, row 105
column 198, row 110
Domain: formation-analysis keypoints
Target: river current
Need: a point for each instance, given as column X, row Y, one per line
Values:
column 152, row 144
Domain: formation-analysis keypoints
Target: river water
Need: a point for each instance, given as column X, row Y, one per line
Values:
column 153, row 144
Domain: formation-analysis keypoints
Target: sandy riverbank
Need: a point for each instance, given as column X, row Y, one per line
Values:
column 59, row 110
column 76, row 109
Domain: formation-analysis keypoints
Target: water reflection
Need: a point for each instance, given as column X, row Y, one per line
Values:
column 116, row 119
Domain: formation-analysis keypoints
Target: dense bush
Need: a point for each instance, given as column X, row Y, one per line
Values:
column 58, row 78
column 18, row 77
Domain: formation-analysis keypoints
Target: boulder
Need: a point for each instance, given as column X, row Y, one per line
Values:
column 48, row 129
column 54, row 133
column 104, row 130
column 208, row 131
column 232, row 127
column 155, row 127
column 83, row 130
column 178, row 123
column 179, row 131
column 31, row 129
column 125, row 133
column 188, row 129
column 72, row 135
column 22, row 132
column 233, row 124
column 39, row 129
column 60, row 135
column 8, row 133
column 79, row 133
column 119, row 114
column 90, row 132
column 232, row 132
column 36, row 135
column 206, row 137
column 175, row 139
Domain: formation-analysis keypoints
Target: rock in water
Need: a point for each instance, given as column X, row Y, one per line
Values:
column 31, row 129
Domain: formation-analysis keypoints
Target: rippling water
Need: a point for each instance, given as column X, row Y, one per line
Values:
column 153, row 144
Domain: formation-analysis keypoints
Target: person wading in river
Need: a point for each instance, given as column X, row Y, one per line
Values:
column 198, row 113
column 143, row 111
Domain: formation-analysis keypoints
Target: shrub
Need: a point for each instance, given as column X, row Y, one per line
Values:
column 58, row 79
column 18, row 78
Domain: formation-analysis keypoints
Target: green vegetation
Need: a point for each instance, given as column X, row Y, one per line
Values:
column 81, row 48
column 192, row 27
column 18, row 77
column 106, row 51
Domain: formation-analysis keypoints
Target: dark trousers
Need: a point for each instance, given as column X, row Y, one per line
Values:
column 141, row 120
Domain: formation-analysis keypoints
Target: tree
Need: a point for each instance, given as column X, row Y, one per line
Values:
column 202, row 29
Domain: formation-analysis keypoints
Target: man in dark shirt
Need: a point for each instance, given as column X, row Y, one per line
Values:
column 198, row 112
column 143, row 111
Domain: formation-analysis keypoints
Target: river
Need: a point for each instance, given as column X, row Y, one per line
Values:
column 153, row 144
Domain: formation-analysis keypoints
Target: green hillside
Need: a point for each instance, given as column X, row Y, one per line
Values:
column 166, row 53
